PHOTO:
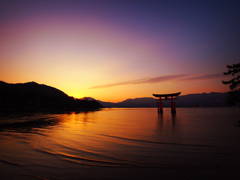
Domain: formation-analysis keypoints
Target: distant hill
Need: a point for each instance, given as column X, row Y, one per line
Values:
column 213, row 99
column 34, row 96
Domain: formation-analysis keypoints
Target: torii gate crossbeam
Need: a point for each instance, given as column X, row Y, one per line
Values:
column 167, row 97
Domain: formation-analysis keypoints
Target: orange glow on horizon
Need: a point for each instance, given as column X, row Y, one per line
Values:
column 74, row 54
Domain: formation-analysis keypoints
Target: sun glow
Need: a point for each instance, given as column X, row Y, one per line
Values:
column 75, row 52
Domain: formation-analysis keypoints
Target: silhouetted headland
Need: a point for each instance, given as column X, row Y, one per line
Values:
column 32, row 96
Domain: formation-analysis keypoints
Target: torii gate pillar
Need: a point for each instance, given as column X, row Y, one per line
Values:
column 160, row 106
column 173, row 106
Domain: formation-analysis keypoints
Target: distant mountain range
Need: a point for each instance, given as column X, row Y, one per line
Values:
column 213, row 99
column 34, row 96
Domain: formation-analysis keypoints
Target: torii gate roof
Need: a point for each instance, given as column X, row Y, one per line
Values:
column 166, row 95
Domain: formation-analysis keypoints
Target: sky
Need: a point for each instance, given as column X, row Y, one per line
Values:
column 113, row 50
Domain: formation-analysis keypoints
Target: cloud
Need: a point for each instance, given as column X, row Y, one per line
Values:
column 142, row 81
column 158, row 79
column 203, row 77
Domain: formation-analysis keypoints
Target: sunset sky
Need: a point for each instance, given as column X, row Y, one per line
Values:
column 118, row 49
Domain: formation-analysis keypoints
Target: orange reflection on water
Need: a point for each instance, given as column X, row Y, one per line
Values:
column 104, row 131
column 137, row 138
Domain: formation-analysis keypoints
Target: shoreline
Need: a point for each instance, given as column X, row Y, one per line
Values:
column 49, row 110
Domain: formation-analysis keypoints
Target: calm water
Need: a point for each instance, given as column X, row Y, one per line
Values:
column 138, row 143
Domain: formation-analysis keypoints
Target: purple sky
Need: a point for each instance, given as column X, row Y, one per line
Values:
column 130, row 48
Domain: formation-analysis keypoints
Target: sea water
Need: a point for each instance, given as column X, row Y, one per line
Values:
column 121, row 143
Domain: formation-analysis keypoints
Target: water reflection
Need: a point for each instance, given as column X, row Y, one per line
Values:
column 32, row 122
column 27, row 123
column 137, row 138
column 85, row 117
column 167, row 122
column 173, row 119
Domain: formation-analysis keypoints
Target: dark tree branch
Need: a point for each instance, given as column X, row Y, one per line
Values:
column 234, row 69
column 234, row 94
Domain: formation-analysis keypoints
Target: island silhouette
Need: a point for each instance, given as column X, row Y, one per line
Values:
column 38, row 97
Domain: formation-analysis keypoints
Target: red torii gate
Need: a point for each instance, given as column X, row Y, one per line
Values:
column 167, row 97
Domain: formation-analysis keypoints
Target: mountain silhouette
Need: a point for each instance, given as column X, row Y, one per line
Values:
column 34, row 96
column 213, row 99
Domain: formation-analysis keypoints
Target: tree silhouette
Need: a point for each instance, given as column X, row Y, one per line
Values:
column 234, row 94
